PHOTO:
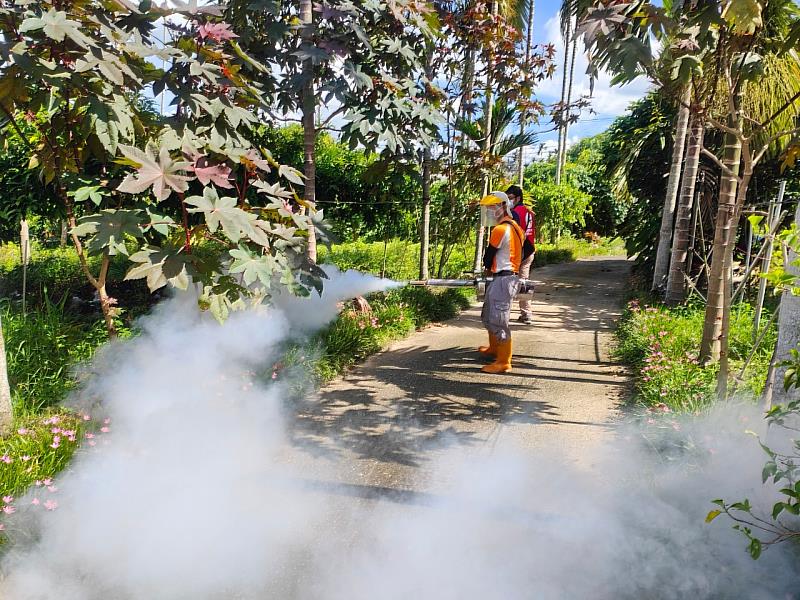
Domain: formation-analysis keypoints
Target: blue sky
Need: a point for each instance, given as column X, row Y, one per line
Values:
column 608, row 102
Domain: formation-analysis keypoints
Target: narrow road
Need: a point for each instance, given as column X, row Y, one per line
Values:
column 382, row 426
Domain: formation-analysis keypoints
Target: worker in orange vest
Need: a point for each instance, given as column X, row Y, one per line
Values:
column 502, row 260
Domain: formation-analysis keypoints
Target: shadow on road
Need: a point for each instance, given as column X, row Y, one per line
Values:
column 412, row 399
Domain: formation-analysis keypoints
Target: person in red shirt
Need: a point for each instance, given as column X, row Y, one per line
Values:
column 527, row 222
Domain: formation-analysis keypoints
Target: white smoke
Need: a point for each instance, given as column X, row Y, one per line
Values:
column 197, row 495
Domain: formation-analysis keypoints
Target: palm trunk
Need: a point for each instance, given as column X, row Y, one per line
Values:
column 564, row 78
column 676, row 282
column 565, row 138
column 662, row 266
column 528, row 50
column 788, row 327
column 426, row 214
column 724, row 235
column 308, row 105
column 6, row 413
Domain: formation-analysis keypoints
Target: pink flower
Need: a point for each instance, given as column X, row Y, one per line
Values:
column 105, row 429
column 274, row 375
column 2, row 527
column 22, row 431
column 106, row 421
column 25, row 458
column 38, row 483
column 47, row 481
column 9, row 510
column 55, row 445
column 87, row 418
column 92, row 443
column 8, row 499
column 89, row 436
column 35, row 502
column 662, row 333
column 51, row 505
column 52, row 488
column 6, row 459
column 55, row 430
column 216, row 31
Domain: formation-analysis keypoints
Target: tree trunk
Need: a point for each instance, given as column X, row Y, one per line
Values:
column 788, row 327
column 6, row 413
column 676, row 282
column 308, row 104
column 64, row 230
column 487, row 148
column 724, row 236
column 424, row 240
column 565, row 138
column 668, row 213
column 467, row 87
column 563, row 101
column 528, row 50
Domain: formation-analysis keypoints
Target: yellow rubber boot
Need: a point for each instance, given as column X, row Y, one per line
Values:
column 502, row 363
column 491, row 349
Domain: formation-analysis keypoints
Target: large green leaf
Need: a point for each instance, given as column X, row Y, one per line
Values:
column 57, row 27
column 159, row 267
column 108, row 230
column 162, row 175
column 222, row 212
column 253, row 267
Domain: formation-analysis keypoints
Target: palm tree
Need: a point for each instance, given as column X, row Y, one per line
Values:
column 770, row 99
column 662, row 265
column 676, row 284
column 502, row 117
column 528, row 50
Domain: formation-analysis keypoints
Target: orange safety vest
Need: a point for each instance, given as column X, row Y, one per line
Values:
column 508, row 238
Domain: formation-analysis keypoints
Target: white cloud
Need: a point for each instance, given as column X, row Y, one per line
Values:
column 606, row 101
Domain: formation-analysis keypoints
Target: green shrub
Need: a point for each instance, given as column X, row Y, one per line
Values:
column 662, row 345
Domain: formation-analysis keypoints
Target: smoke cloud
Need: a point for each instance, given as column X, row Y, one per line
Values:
column 196, row 495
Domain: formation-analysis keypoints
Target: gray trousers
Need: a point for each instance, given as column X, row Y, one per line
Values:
column 525, row 273
column 496, row 310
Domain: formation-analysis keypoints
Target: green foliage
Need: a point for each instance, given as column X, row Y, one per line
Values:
column 395, row 314
column 24, row 195
column 586, row 170
column 660, row 344
column 29, row 449
column 43, row 347
column 558, row 207
column 56, row 273
column 636, row 152
column 363, row 196
column 119, row 173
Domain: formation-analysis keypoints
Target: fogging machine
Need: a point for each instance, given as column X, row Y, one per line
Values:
column 479, row 283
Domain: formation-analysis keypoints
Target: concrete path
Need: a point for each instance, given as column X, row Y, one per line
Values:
column 381, row 426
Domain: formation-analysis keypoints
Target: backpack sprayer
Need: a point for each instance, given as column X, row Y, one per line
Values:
column 479, row 283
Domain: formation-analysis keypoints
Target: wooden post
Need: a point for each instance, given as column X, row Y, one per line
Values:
column 25, row 251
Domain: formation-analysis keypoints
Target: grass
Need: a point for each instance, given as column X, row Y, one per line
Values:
column 662, row 345
column 400, row 261
column 42, row 348
column 394, row 315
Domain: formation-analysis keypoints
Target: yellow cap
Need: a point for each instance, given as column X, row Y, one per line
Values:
column 494, row 198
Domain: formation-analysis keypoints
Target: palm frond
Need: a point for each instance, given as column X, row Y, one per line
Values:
column 512, row 143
